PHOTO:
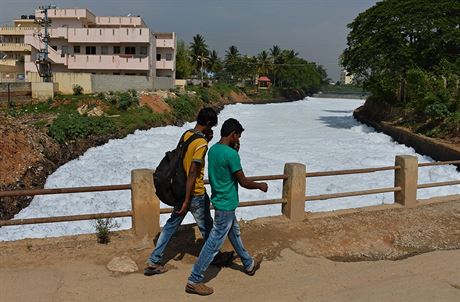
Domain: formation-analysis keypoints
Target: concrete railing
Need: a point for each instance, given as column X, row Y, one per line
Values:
column 167, row 43
column 146, row 209
column 91, row 62
column 20, row 47
column 164, row 64
column 108, row 35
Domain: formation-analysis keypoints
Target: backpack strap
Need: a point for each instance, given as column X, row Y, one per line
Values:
column 184, row 144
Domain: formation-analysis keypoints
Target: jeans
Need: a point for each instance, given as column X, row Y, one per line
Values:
column 225, row 223
column 199, row 207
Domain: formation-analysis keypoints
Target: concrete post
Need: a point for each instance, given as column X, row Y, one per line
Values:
column 294, row 191
column 406, row 178
column 145, row 203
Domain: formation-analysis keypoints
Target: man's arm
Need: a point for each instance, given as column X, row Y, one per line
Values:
column 189, row 186
column 249, row 184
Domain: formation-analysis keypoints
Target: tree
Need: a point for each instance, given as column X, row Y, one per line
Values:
column 232, row 62
column 275, row 53
column 214, row 63
column 264, row 63
column 184, row 66
column 199, row 53
column 395, row 36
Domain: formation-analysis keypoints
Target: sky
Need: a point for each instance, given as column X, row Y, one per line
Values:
column 316, row 29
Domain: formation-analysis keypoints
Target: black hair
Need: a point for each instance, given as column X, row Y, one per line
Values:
column 229, row 126
column 207, row 117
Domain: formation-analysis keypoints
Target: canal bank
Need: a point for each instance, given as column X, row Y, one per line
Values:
column 439, row 150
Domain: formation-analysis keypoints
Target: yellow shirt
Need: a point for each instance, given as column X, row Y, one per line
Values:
column 196, row 152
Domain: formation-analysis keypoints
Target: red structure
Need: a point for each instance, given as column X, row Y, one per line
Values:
column 263, row 82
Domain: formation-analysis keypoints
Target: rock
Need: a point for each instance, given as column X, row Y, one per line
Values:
column 123, row 264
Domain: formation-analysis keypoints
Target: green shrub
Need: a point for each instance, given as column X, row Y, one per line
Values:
column 184, row 107
column 71, row 126
column 437, row 111
column 103, row 228
column 126, row 100
column 133, row 92
column 77, row 89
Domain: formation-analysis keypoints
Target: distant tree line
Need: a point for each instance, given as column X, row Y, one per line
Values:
column 284, row 67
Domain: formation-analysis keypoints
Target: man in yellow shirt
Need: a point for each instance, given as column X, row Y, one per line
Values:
column 196, row 199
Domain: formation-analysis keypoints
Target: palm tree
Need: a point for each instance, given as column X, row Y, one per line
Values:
column 214, row 63
column 275, row 52
column 199, row 53
column 264, row 63
column 232, row 58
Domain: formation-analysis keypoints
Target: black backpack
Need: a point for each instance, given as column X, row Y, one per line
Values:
column 170, row 177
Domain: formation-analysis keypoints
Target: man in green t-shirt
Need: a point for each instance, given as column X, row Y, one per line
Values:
column 225, row 173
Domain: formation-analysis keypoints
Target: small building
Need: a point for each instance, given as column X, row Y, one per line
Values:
column 263, row 83
column 346, row 78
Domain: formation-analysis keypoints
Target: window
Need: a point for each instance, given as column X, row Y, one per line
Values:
column 116, row 49
column 76, row 49
column 90, row 50
column 130, row 50
column 168, row 56
column 158, row 56
column 64, row 51
column 104, row 50
column 144, row 50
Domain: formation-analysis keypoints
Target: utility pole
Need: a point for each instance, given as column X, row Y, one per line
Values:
column 42, row 62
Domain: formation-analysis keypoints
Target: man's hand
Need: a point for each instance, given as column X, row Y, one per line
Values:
column 183, row 210
column 263, row 186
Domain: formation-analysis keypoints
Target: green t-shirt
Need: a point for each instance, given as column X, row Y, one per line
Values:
column 223, row 161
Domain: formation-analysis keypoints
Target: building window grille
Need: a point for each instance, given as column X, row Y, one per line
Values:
column 76, row 49
column 90, row 50
column 116, row 50
column 144, row 50
column 158, row 57
column 169, row 57
column 130, row 50
column 104, row 50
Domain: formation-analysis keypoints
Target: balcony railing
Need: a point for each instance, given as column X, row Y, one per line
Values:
column 169, row 43
column 11, row 30
column 15, row 47
column 120, row 21
column 108, row 35
column 163, row 64
column 108, row 62
column 72, row 13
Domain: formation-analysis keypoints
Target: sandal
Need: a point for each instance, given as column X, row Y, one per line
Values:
column 154, row 269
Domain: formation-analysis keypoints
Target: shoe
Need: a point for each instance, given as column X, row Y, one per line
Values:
column 223, row 259
column 154, row 269
column 198, row 289
column 256, row 266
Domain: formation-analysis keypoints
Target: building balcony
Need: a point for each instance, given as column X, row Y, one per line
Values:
column 19, row 31
column 18, row 47
column 108, row 62
column 104, row 35
column 168, row 43
column 163, row 64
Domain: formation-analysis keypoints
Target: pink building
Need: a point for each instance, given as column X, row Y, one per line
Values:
column 83, row 42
